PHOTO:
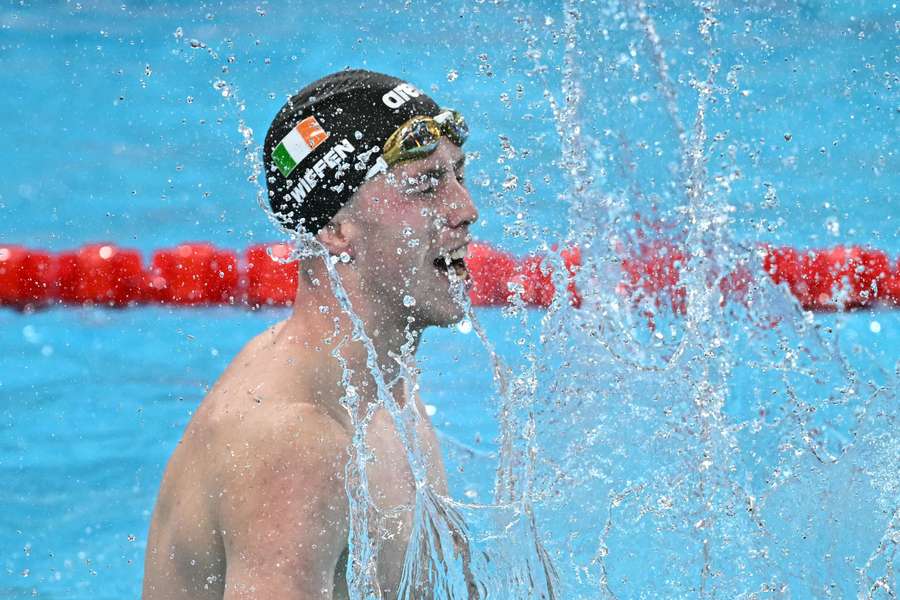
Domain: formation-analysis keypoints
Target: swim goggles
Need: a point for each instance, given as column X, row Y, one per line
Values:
column 419, row 137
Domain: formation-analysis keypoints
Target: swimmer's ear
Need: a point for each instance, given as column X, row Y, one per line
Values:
column 337, row 236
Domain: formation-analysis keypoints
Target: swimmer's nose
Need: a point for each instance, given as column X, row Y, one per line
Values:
column 461, row 209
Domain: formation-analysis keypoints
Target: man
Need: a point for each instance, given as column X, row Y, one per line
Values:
column 253, row 503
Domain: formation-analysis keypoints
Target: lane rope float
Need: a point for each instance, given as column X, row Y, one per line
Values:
column 200, row 274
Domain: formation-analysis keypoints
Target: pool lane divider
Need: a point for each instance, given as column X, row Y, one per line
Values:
column 199, row 274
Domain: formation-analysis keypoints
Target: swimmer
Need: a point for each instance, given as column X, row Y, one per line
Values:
column 252, row 503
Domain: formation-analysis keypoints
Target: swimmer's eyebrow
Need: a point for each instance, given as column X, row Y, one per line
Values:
column 435, row 172
column 439, row 171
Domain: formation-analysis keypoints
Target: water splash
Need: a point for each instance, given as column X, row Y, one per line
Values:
column 723, row 430
column 699, row 442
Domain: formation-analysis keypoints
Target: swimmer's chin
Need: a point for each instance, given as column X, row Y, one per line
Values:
column 446, row 319
column 448, row 323
column 452, row 319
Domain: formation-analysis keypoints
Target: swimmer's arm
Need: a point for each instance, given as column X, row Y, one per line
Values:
column 286, row 522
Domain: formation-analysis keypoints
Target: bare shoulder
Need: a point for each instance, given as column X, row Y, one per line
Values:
column 257, row 483
column 291, row 440
column 283, row 508
column 254, row 350
column 259, row 421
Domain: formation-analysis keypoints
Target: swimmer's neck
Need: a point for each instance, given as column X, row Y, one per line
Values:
column 316, row 308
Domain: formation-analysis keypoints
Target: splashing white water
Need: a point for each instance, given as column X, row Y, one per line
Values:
column 680, row 444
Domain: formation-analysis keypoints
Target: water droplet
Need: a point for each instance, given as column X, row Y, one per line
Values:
column 30, row 334
column 260, row 11
column 452, row 75
column 770, row 199
column 788, row 136
column 464, row 326
column 833, row 226
column 408, row 301
column 222, row 87
column 345, row 258
column 875, row 327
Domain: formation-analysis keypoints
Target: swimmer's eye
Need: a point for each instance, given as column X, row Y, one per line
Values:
column 459, row 167
column 429, row 183
column 431, row 186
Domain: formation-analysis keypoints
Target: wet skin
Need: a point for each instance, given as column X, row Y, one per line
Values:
column 253, row 503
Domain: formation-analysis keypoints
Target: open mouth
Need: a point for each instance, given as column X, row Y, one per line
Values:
column 454, row 260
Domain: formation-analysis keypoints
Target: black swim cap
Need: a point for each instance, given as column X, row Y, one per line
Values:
column 325, row 139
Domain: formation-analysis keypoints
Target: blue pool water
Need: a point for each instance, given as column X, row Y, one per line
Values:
column 114, row 132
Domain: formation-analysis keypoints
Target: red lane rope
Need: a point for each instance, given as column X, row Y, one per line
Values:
column 200, row 274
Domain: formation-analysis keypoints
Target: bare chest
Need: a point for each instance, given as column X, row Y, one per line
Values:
column 393, row 491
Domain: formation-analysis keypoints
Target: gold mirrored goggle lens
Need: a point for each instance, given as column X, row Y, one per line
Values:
column 454, row 126
column 420, row 135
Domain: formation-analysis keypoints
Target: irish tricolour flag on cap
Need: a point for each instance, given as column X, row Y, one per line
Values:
column 297, row 144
